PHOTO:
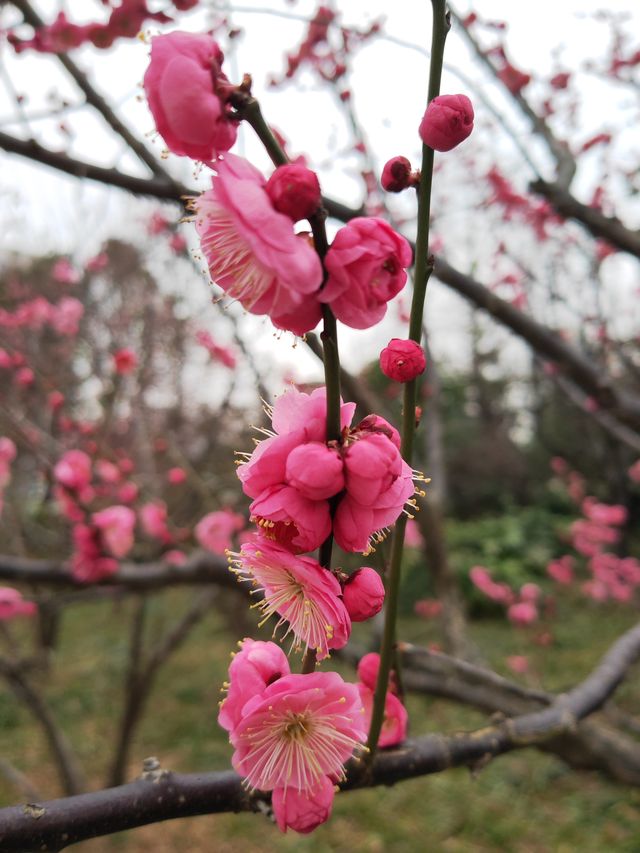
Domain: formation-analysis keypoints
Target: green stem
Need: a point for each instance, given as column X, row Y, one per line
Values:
column 422, row 271
column 252, row 113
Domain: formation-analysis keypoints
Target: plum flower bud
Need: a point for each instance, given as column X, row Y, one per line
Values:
column 294, row 190
column 402, row 360
column 363, row 594
column 447, row 122
column 396, row 175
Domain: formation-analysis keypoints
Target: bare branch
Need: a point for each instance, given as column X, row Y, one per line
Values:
column 603, row 227
column 162, row 795
column 201, row 568
column 94, row 98
column 71, row 775
column 158, row 187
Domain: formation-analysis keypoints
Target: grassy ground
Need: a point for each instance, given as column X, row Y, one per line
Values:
column 521, row 802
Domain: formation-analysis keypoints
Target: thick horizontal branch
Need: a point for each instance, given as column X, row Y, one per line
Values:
column 603, row 227
column 546, row 343
column 157, row 187
column 159, row 795
column 201, row 568
column 94, row 98
column 595, row 744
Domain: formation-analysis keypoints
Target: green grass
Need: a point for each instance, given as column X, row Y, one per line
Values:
column 524, row 801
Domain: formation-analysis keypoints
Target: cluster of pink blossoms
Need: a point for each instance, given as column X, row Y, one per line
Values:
column 294, row 474
column 292, row 734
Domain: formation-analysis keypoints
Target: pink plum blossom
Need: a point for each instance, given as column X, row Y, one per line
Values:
column 125, row 361
column 257, row 259
column 116, row 525
column 153, row 518
column 176, row 476
column 64, row 273
column 73, row 470
column 292, row 475
column 88, row 563
column 183, row 85
column 298, row 730
column 306, row 597
column 522, row 613
column 215, row 530
column 366, row 266
column 252, row 669
column 561, row 570
column 12, row 604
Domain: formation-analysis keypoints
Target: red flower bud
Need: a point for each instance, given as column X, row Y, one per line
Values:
column 402, row 360
column 447, row 122
column 294, row 190
column 396, row 175
column 363, row 594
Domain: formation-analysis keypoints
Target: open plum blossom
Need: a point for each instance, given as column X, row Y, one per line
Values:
column 252, row 251
column 291, row 734
column 292, row 475
column 366, row 266
column 185, row 88
column 299, row 590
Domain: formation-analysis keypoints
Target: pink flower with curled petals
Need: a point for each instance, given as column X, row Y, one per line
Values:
column 366, row 266
column 216, row 529
column 252, row 669
column 185, row 88
column 305, row 596
column 299, row 730
column 303, row 811
column 256, row 259
column 12, row 604
column 116, row 525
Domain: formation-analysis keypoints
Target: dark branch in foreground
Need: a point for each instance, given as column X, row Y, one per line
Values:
column 161, row 795
column 157, row 187
column 201, row 568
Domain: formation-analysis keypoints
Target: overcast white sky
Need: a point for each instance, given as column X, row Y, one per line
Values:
column 39, row 208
